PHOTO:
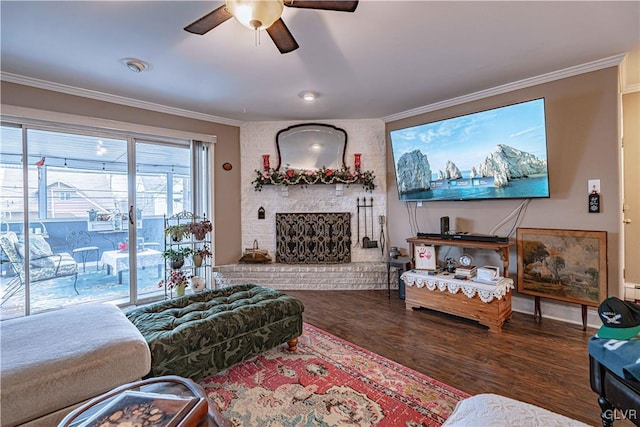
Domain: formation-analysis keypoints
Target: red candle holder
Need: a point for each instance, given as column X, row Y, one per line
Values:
column 356, row 160
column 265, row 162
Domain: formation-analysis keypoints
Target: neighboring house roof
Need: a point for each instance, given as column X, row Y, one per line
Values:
column 104, row 192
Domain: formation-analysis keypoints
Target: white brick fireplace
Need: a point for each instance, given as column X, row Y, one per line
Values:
column 367, row 269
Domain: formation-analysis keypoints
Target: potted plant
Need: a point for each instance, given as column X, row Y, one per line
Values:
column 177, row 280
column 177, row 256
column 177, row 231
column 199, row 229
column 200, row 254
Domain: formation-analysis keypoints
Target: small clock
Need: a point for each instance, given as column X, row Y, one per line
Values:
column 465, row 260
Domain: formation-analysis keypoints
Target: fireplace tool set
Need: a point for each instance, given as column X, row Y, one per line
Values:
column 363, row 208
column 381, row 221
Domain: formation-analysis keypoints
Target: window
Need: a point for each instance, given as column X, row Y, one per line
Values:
column 112, row 187
column 64, row 195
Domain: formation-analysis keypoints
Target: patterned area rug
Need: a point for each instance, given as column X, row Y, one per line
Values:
column 329, row 382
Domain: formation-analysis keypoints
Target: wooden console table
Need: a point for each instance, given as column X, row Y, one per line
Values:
column 444, row 293
column 501, row 248
column 490, row 305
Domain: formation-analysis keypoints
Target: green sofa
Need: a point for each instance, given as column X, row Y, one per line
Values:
column 200, row 334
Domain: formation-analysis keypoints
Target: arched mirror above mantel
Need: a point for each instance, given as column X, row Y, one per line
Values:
column 311, row 146
column 312, row 153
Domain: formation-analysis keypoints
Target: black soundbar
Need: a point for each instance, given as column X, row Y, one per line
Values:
column 465, row 236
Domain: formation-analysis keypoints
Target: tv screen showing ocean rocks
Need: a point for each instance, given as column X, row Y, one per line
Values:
column 493, row 154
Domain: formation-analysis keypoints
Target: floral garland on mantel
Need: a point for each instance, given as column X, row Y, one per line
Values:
column 311, row 177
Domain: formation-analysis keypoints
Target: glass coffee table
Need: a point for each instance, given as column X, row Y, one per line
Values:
column 166, row 387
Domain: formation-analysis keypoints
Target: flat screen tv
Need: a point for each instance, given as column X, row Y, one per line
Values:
column 494, row 154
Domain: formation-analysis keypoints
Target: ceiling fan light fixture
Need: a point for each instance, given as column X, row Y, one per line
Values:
column 135, row 65
column 308, row 95
column 256, row 14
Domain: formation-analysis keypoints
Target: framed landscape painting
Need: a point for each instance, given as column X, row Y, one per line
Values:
column 566, row 265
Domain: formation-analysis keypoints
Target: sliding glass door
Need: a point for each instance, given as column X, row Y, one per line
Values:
column 82, row 216
column 12, row 208
column 163, row 187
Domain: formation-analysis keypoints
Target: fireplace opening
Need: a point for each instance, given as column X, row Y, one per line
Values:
column 313, row 238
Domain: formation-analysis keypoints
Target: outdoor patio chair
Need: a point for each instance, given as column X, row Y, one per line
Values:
column 79, row 243
column 37, row 227
column 43, row 263
column 148, row 240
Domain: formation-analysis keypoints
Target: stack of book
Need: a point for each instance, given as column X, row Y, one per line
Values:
column 468, row 272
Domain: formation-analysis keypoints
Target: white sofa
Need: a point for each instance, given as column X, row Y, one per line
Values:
column 52, row 362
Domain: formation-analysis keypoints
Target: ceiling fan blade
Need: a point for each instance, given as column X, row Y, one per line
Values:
column 209, row 21
column 340, row 6
column 282, row 37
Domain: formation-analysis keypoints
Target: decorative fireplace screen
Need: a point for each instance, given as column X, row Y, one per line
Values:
column 313, row 238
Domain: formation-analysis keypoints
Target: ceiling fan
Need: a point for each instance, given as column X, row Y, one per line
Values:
column 265, row 15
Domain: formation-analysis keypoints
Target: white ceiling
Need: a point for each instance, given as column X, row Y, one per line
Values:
column 385, row 58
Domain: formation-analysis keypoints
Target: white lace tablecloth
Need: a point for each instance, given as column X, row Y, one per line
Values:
column 119, row 261
column 441, row 282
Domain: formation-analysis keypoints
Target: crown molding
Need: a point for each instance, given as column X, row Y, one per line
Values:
column 600, row 64
column 631, row 88
column 115, row 99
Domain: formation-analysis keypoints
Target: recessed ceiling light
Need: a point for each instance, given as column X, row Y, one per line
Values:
column 135, row 65
column 308, row 95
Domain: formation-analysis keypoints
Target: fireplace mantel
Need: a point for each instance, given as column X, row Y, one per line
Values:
column 289, row 177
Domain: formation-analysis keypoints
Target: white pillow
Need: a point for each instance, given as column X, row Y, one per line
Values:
column 38, row 248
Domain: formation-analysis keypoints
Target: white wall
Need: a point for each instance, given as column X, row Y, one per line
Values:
column 258, row 138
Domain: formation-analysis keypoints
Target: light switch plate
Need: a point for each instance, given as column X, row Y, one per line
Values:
column 594, row 184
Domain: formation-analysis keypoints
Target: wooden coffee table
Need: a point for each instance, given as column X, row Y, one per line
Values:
column 166, row 385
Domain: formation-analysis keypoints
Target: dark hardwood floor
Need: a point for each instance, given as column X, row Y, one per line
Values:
column 545, row 363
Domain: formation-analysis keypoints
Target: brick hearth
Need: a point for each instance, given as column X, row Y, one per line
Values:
column 353, row 276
